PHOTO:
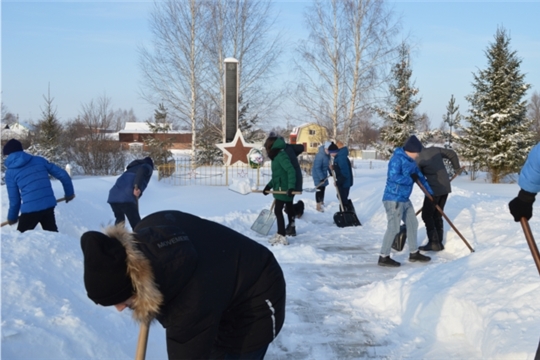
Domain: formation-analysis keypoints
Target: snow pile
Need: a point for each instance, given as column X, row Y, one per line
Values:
column 340, row 304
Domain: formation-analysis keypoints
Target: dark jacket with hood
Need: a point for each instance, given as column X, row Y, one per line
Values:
column 293, row 150
column 138, row 172
column 283, row 173
column 430, row 162
column 343, row 168
column 27, row 180
column 209, row 286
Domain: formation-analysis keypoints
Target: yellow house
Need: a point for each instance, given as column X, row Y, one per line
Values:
column 311, row 135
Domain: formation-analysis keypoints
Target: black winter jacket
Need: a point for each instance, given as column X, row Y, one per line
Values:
column 216, row 288
column 430, row 162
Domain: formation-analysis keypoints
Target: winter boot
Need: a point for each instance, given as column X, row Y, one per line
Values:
column 278, row 239
column 434, row 244
column 319, row 207
column 387, row 261
column 418, row 257
column 440, row 233
column 291, row 229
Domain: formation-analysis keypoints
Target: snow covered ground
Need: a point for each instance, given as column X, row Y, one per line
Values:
column 340, row 304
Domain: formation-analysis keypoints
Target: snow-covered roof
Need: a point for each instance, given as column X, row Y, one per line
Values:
column 143, row 128
column 14, row 131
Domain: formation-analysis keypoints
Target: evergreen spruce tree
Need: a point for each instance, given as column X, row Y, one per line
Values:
column 498, row 137
column 158, row 144
column 453, row 120
column 399, row 114
column 48, row 133
column 210, row 134
column 247, row 124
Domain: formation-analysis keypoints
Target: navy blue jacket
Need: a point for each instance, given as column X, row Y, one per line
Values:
column 27, row 179
column 138, row 172
column 399, row 184
column 343, row 169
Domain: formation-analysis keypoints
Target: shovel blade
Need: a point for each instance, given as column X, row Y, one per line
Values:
column 264, row 222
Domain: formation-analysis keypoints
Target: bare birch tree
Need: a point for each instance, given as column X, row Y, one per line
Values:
column 191, row 39
column 341, row 65
column 175, row 69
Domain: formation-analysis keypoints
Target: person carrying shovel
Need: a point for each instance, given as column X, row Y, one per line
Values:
column 217, row 293
column 283, row 180
column 521, row 207
column 402, row 174
column 431, row 164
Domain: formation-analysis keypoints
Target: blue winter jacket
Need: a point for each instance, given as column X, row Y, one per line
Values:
column 138, row 172
column 342, row 167
column 399, row 184
column 27, row 180
column 529, row 177
column 320, row 169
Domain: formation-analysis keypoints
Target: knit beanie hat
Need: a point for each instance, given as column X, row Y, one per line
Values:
column 12, row 146
column 413, row 145
column 105, row 269
column 333, row 149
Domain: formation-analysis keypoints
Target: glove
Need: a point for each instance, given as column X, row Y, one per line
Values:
column 266, row 190
column 290, row 192
column 69, row 198
column 414, row 176
column 521, row 206
column 11, row 222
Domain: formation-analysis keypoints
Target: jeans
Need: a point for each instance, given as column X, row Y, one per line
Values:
column 395, row 212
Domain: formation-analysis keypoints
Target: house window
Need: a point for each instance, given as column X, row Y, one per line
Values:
column 314, row 145
column 311, row 132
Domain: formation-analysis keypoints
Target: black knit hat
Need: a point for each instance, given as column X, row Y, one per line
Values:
column 12, row 146
column 413, row 145
column 105, row 269
column 333, row 149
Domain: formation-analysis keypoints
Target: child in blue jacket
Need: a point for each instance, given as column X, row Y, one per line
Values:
column 29, row 188
column 402, row 174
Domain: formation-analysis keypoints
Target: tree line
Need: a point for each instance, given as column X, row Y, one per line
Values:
column 352, row 76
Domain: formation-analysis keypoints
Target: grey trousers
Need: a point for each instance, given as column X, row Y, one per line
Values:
column 395, row 212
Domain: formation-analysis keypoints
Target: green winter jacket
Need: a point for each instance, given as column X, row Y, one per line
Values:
column 283, row 173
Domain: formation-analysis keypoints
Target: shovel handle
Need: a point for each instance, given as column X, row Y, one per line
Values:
column 140, row 354
column 530, row 241
column 277, row 192
column 460, row 170
column 57, row 200
column 444, row 215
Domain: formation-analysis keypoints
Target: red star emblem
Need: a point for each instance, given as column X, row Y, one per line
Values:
column 237, row 150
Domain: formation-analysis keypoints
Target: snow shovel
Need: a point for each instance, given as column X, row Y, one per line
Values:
column 530, row 241
column 57, row 200
column 316, row 188
column 264, row 221
column 140, row 353
column 344, row 217
column 444, row 215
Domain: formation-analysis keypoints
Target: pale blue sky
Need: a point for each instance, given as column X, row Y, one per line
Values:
column 89, row 49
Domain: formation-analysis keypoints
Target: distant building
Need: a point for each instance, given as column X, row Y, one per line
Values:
column 14, row 131
column 133, row 135
column 311, row 135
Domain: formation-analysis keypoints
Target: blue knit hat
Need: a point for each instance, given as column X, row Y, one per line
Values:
column 413, row 145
